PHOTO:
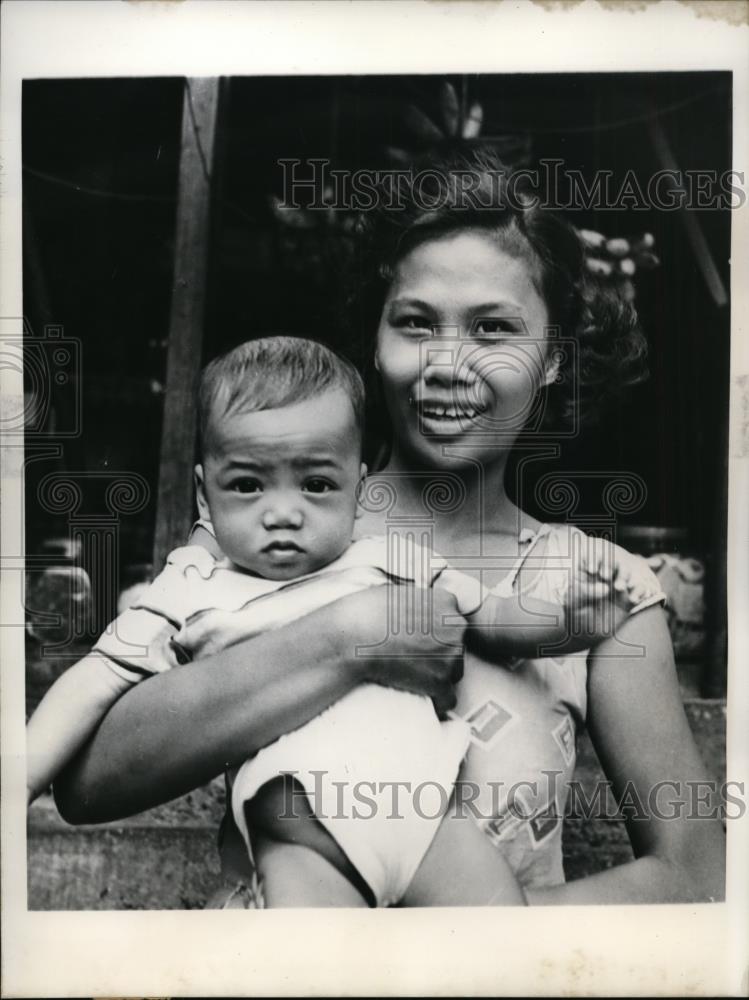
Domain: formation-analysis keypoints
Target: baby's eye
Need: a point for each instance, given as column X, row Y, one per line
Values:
column 246, row 485
column 318, row 485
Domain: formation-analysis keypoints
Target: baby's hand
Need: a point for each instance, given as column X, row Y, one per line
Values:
column 604, row 588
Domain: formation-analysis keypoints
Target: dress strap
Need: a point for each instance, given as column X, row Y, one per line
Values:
column 527, row 537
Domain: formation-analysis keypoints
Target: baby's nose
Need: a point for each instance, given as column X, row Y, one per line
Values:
column 282, row 514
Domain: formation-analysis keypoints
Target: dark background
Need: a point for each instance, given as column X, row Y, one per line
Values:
column 100, row 173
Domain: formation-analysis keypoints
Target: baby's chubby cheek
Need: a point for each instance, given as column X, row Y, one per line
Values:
column 232, row 539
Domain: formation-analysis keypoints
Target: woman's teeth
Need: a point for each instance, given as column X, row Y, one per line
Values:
column 448, row 413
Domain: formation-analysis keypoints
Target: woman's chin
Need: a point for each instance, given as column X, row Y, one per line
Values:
column 449, row 452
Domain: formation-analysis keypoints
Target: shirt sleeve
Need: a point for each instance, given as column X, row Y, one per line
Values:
column 138, row 642
column 643, row 588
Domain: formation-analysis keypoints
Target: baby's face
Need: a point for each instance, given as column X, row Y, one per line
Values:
column 280, row 485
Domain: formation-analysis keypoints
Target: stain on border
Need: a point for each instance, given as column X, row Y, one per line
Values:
column 740, row 417
column 732, row 12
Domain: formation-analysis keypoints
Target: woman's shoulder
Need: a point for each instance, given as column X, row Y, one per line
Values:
column 564, row 549
column 566, row 536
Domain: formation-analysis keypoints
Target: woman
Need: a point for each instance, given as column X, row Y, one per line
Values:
column 456, row 303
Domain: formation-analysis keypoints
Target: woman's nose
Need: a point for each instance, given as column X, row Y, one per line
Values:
column 282, row 513
column 445, row 370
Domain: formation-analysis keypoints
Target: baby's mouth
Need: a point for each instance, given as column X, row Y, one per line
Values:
column 279, row 547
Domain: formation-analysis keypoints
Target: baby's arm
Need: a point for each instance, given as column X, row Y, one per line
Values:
column 138, row 643
column 67, row 717
column 603, row 586
column 502, row 622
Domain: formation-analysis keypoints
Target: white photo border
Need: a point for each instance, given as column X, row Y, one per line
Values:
column 635, row 950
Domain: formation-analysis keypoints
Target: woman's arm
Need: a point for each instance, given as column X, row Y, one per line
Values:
column 180, row 729
column 640, row 732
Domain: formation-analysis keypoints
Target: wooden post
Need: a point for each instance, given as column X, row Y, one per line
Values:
column 184, row 352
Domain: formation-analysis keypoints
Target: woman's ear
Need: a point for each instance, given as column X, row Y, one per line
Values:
column 359, row 490
column 377, row 360
column 551, row 368
column 200, row 497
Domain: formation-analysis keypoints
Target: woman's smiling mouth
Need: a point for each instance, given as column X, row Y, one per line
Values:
column 447, row 414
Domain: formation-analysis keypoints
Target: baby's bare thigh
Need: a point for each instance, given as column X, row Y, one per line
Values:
column 296, row 876
column 281, row 815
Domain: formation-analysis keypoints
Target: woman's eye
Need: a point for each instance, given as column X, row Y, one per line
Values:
column 495, row 328
column 416, row 323
column 318, row 486
column 246, row 486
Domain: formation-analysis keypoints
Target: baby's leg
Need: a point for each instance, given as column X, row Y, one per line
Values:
column 462, row 868
column 297, row 876
column 300, row 861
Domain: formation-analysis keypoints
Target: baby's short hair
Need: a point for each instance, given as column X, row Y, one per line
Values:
column 272, row 372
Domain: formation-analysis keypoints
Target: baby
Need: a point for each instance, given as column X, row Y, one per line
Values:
column 277, row 486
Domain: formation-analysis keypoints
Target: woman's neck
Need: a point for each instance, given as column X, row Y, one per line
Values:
column 461, row 500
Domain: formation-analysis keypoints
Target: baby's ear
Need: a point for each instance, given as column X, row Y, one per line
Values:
column 360, row 489
column 203, row 508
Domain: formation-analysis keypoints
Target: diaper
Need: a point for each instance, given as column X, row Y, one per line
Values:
column 379, row 769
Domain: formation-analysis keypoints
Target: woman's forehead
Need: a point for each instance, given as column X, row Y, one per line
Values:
column 468, row 266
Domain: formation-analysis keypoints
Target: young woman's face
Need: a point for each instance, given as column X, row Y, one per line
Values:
column 461, row 349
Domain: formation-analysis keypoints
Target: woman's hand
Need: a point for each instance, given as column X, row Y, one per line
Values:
column 395, row 635
column 178, row 730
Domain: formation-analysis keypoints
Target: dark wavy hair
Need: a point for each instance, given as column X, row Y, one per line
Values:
column 461, row 189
